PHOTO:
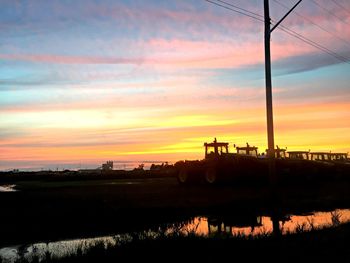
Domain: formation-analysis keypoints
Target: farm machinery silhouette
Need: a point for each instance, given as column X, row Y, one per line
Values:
column 219, row 165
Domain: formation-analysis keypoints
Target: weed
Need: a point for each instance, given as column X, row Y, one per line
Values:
column 311, row 222
column 335, row 217
column 300, row 228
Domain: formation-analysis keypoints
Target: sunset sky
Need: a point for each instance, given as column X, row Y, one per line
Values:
column 83, row 82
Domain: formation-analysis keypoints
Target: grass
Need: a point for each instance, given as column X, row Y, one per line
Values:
column 336, row 218
column 322, row 244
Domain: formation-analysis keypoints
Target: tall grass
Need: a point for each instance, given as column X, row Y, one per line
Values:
column 178, row 235
column 335, row 217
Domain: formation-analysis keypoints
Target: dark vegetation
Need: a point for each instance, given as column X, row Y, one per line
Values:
column 325, row 245
column 93, row 174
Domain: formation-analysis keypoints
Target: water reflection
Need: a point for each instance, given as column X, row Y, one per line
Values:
column 201, row 225
column 60, row 248
column 261, row 225
column 229, row 224
column 7, row 188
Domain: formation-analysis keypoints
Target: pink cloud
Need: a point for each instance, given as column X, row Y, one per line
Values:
column 205, row 54
column 181, row 53
column 185, row 15
column 246, row 46
column 60, row 59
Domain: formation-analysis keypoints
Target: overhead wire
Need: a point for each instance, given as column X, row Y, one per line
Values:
column 314, row 44
column 237, row 11
column 341, row 6
column 240, row 8
column 290, row 32
column 329, row 12
column 315, row 24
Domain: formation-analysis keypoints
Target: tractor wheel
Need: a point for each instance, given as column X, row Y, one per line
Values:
column 183, row 176
column 211, row 176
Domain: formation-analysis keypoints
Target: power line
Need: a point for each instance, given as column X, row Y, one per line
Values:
column 310, row 21
column 294, row 34
column 234, row 10
column 329, row 12
column 341, row 6
column 240, row 8
column 314, row 44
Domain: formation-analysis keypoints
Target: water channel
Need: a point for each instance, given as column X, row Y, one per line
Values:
column 200, row 225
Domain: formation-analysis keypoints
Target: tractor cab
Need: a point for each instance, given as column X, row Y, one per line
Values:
column 320, row 156
column 298, row 155
column 215, row 149
column 280, row 153
column 248, row 150
column 339, row 157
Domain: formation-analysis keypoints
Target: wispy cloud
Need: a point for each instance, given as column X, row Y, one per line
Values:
column 307, row 62
column 59, row 59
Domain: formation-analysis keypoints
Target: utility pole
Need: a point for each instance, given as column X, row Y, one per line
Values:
column 269, row 113
column 268, row 82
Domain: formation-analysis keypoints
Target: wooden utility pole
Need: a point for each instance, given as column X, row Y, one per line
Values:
column 269, row 115
column 269, row 112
